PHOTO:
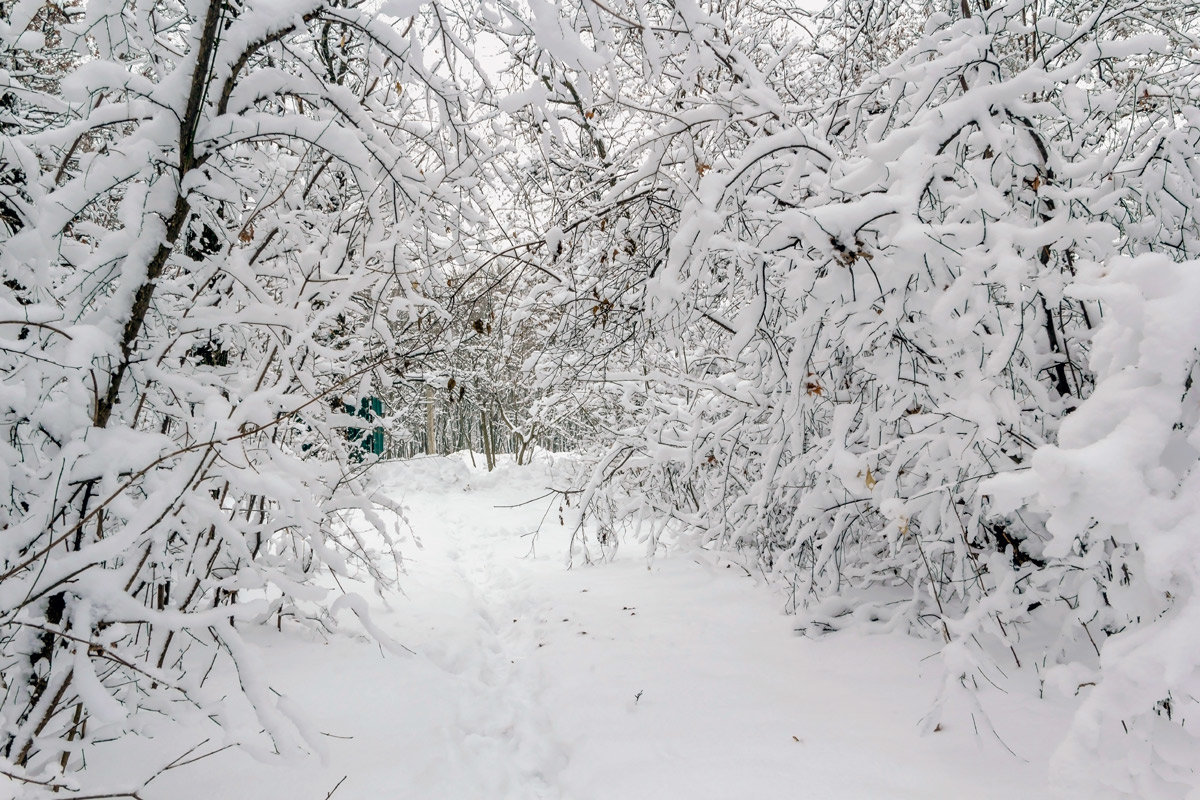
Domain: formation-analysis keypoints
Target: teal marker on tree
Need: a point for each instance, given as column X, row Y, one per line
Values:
column 369, row 408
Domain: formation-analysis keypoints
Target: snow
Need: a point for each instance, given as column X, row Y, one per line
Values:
column 671, row 678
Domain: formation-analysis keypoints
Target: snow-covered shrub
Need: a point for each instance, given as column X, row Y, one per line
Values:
column 1121, row 495
column 860, row 311
column 218, row 220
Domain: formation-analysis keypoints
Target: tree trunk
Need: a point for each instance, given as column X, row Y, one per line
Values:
column 430, row 420
column 489, row 446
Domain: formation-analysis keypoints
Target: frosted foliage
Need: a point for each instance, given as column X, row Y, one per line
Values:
column 1120, row 487
column 895, row 301
column 220, row 219
column 836, row 295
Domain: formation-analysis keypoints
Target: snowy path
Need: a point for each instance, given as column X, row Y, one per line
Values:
column 614, row 682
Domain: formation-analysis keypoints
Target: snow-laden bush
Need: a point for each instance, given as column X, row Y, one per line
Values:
column 218, row 220
column 830, row 297
column 1121, row 495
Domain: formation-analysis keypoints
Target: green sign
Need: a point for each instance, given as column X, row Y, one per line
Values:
column 371, row 440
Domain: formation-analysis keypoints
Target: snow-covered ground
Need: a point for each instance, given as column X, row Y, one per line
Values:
column 612, row 681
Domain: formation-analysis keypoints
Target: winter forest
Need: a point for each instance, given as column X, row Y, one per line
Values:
column 807, row 361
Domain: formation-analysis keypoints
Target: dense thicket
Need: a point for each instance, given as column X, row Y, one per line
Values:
column 221, row 225
column 894, row 298
column 843, row 278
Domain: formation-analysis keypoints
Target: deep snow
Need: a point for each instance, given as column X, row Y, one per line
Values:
column 611, row 681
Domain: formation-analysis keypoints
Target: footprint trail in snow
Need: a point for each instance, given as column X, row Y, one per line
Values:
column 531, row 681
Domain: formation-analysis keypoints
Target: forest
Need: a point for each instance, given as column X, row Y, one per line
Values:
column 892, row 301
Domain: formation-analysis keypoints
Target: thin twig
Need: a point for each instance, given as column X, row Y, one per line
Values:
column 336, row 786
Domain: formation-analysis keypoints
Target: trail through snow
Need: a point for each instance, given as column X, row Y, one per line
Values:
column 616, row 681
